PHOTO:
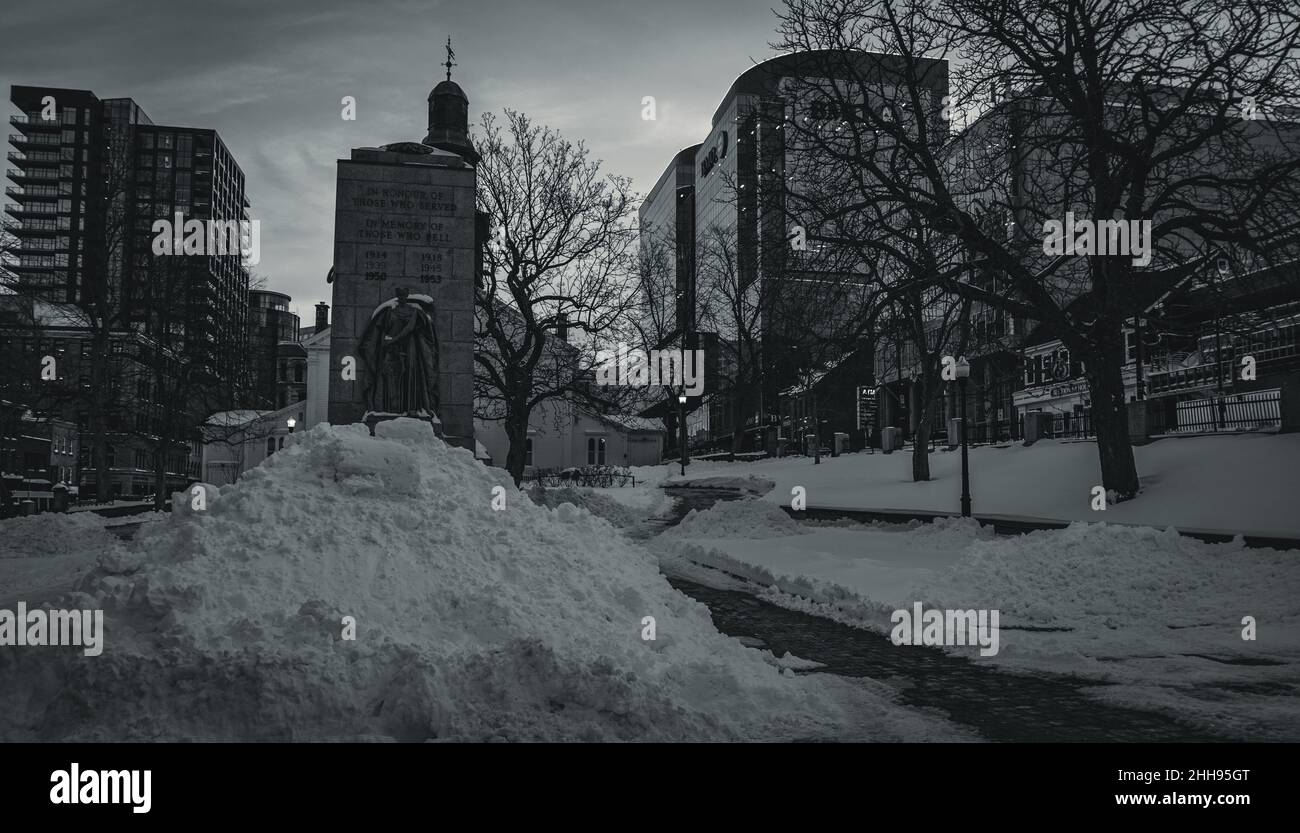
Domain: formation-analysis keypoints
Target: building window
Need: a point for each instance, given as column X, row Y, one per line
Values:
column 595, row 451
column 270, row 446
column 528, row 451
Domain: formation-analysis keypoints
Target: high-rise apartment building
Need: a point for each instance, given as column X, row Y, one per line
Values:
column 91, row 179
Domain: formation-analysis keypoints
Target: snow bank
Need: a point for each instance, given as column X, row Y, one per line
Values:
column 470, row 623
column 621, row 506
column 746, row 518
column 53, row 534
column 1096, row 578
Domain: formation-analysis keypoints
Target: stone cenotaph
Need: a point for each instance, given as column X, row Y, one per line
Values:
column 402, row 338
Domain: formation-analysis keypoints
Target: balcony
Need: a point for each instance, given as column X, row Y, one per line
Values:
column 35, row 246
column 34, row 158
column 37, row 174
column 39, row 209
column 36, row 140
column 31, row 192
column 34, row 225
column 28, row 124
column 25, row 268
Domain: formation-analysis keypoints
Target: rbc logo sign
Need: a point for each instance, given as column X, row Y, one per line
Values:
column 716, row 154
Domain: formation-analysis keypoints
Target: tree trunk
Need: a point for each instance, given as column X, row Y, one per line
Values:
column 921, row 435
column 517, row 433
column 921, row 450
column 1110, row 417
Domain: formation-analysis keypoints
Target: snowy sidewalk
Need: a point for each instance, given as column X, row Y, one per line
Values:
column 1157, row 615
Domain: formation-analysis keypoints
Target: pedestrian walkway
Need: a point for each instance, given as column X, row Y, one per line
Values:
column 999, row 705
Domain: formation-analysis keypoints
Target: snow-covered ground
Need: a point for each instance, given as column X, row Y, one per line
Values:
column 1244, row 483
column 470, row 623
column 43, row 556
column 1157, row 614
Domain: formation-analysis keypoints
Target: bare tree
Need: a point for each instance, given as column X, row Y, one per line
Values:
column 1131, row 110
column 734, row 303
column 559, row 266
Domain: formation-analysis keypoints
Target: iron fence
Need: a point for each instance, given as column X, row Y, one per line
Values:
column 1253, row 411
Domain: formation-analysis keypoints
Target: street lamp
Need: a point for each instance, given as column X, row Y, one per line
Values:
column 681, row 407
column 962, row 369
column 291, row 422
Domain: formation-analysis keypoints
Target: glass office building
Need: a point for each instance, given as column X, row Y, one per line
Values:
column 741, row 176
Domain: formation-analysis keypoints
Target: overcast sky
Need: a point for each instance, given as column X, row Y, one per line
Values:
column 269, row 77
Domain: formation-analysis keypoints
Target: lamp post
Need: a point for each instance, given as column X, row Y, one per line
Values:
column 681, row 407
column 962, row 369
column 291, row 422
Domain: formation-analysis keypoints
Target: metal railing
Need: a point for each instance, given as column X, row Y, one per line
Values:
column 1205, row 375
column 35, row 139
column 35, row 173
column 34, row 156
column 1253, row 411
column 53, row 124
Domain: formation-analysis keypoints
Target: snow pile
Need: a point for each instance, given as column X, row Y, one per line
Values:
column 470, row 623
column 745, row 518
column 1095, row 578
column 52, row 534
column 598, row 503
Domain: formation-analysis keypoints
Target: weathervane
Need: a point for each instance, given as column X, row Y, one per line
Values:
column 450, row 62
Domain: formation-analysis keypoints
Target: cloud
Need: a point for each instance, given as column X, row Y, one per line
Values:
column 269, row 77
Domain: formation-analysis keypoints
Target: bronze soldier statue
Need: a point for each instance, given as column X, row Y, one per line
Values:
column 399, row 354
